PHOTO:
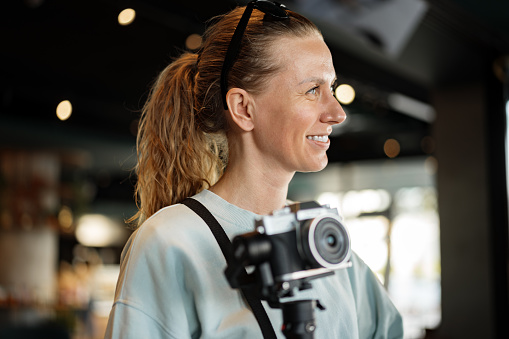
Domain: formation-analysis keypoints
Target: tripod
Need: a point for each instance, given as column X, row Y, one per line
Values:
column 299, row 319
column 298, row 315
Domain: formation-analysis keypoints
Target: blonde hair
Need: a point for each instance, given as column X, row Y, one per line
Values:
column 181, row 143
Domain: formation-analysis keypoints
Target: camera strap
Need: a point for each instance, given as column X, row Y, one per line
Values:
column 226, row 247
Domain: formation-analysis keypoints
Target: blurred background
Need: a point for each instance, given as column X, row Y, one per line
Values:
column 418, row 170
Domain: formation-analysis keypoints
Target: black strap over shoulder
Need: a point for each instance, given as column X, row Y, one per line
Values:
column 226, row 247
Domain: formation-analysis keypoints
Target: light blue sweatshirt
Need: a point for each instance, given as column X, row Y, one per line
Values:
column 172, row 285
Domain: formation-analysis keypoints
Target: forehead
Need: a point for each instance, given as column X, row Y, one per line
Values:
column 300, row 58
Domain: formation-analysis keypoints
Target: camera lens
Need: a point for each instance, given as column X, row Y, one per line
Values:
column 326, row 241
column 331, row 240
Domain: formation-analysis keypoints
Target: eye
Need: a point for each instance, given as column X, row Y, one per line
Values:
column 313, row 90
column 334, row 86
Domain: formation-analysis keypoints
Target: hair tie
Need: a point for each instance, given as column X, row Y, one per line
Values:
column 198, row 58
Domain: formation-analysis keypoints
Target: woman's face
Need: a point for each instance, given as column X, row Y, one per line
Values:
column 295, row 112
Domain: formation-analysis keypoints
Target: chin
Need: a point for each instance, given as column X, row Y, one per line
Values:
column 315, row 167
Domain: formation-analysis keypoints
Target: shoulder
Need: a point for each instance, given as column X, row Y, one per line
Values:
column 360, row 273
column 170, row 242
column 171, row 234
column 169, row 224
column 170, row 217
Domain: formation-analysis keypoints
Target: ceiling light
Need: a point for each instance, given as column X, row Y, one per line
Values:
column 126, row 16
column 64, row 110
column 411, row 107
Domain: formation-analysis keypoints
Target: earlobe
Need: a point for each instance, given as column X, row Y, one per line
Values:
column 239, row 108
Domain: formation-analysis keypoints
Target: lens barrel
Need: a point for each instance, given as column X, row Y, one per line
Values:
column 325, row 241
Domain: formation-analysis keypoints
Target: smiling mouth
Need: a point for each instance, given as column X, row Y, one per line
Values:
column 321, row 138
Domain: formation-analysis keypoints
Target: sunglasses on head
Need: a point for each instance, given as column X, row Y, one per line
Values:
column 274, row 9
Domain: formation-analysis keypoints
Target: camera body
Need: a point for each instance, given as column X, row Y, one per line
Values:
column 289, row 247
column 306, row 239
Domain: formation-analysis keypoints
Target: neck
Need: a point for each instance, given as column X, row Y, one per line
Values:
column 249, row 187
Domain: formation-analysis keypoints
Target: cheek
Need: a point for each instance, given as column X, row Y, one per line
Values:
column 283, row 122
column 277, row 137
column 287, row 129
column 300, row 123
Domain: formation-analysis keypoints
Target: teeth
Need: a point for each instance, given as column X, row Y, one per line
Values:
column 322, row 138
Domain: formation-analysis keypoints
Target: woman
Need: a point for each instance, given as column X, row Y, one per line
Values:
column 230, row 126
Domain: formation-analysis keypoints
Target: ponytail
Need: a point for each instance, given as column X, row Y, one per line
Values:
column 175, row 158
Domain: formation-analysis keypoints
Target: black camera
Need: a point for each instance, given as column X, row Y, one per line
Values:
column 292, row 245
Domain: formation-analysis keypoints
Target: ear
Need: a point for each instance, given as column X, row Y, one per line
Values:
column 240, row 108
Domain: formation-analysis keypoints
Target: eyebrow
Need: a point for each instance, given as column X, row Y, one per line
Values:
column 317, row 80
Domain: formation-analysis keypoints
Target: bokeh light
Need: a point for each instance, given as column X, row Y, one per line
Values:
column 392, row 148
column 126, row 17
column 345, row 94
column 64, row 110
column 193, row 41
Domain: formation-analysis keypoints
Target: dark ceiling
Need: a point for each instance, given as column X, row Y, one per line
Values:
column 56, row 49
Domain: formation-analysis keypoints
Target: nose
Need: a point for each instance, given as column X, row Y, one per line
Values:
column 333, row 112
